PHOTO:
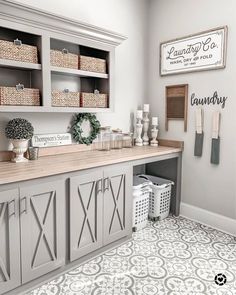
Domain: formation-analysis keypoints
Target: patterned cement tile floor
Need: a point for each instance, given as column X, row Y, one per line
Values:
column 175, row 256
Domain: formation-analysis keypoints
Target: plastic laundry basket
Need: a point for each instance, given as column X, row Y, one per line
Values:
column 141, row 197
column 160, row 197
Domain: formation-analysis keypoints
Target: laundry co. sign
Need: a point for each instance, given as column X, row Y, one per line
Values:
column 202, row 51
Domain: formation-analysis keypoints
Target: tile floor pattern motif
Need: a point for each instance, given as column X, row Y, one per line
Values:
column 174, row 256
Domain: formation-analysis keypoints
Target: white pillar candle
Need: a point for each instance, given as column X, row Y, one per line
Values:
column 154, row 120
column 139, row 114
column 146, row 108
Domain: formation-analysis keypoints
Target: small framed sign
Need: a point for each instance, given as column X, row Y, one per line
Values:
column 198, row 52
column 46, row 140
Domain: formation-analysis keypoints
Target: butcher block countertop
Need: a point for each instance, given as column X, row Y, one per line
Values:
column 63, row 163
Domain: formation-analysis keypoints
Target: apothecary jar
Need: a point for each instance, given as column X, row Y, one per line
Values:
column 128, row 139
column 104, row 139
column 116, row 139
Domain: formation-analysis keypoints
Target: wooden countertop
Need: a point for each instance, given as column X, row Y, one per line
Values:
column 57, row 164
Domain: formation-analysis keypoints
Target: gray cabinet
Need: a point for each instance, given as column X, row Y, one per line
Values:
column 117, row 203
column 100, row 206
column 23, row 22
column 86, row 205
column 9, row 241
column 33, row 218
column 42, row 211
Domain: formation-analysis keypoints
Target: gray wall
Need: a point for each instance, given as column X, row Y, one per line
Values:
column 206, row 186
column 124, row 17
column 210, row 187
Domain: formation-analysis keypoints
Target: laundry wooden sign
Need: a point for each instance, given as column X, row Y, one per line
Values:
column 46, row 140
column 202, row 51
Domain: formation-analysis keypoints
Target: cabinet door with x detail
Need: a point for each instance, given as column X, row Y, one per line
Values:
column 9, row 241
column 86, row 205
column 42, row 215
column 117, row 203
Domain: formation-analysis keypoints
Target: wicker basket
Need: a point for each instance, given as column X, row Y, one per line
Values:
column 91, row 100
column 65, row 99
column 92, row 64
column 64, row 59
column 19, row 96
column 18, row 51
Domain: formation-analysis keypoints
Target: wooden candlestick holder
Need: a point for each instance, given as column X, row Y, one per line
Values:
column 154, row 133
column 145, row 128
column 139, row 128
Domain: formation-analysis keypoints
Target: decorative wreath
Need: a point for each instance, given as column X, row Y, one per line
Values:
column 77, row 130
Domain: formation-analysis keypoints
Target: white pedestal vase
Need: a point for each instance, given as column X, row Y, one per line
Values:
column 19, row 148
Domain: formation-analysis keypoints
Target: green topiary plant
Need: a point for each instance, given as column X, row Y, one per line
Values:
column 19, row 129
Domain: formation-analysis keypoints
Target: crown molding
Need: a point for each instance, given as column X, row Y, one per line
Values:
column 27, row 15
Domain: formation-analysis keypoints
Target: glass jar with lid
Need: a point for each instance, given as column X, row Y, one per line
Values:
column 116, row 139
column 104, row 139
column 128, row 140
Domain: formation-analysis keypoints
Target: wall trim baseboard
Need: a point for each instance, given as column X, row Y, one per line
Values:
column 217, row 221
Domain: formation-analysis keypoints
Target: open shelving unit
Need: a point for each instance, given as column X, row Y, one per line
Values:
column 77, row 38
column 79, row 73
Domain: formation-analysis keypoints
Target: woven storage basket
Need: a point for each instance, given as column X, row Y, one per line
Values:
column 64, row 59
column 65, row 99
column 92, row 64
column 23, row 97
column 92, row 100
column 23, row 53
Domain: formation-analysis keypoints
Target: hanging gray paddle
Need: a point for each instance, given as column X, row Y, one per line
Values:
column 199, row 135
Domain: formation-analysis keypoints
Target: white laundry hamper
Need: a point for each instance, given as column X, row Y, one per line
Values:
column 141, row 197
column 160, row 197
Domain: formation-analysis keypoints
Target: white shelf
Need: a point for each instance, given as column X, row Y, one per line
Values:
column 45, row 109
column 79, row 73
column 7, row 63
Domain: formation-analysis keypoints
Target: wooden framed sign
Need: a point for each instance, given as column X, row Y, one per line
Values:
column 199, row 52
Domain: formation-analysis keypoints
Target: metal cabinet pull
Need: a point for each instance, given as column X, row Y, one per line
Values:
column 65, row 51
column 20, row 87
column 23, row 205
column 106, row 184
column 17, row 42
column 99, row 188
column 12, row 208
